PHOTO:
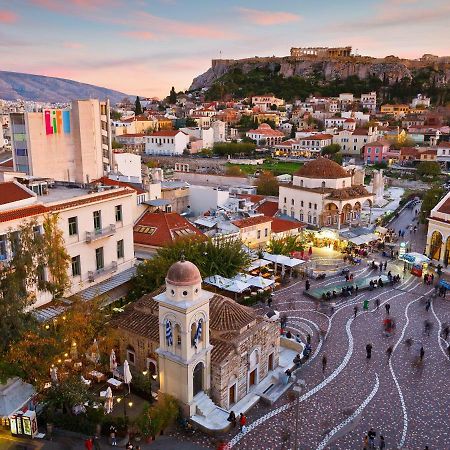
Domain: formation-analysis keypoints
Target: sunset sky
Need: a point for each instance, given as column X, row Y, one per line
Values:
column 146, row 46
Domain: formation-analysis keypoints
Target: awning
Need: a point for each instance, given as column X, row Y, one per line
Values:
column 260, row 282
column 258, row 263
column 283, row 260
column 242, row 277
column 445, row 284
column 415, row 258
column 218, row 281
column 14, row 395
column 381, row 230
column 364, row 239
column 237, row 287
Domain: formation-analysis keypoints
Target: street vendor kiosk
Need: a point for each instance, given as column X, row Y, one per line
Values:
column 23, row 424
column 415, row 262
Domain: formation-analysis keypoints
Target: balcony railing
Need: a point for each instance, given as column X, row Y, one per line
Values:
column 100, row 233
column 94, row 274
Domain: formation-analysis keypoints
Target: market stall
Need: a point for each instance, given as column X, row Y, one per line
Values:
column 415, row 262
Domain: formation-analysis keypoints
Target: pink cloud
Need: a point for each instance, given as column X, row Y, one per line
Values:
column 73, row 45
column 71, row 5
column 261, row 17
column 185, row 29
column 141, row 35
column 8, row 16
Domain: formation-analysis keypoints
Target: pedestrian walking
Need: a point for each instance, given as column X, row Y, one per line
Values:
column 377, row 303
column 421, row 354
column 427, row 305
column 382, row 443
column 232, row 419
column 432, row 278
column 355, row 311
column 385, row 265
column 408, row 343
column 366, row 442
column 381, row 266
column 371, row 435
column 387, row 306
column 389, row 351
column 307, row 285
column 269, row 301
column 324, row 363
column 96, row 442
column 445, row 331
column 308, row 338
column 427, row 325
column 242, row 421
column 113, row 435
column 369, row 351
column 88, row 444
column 366, row 305
column 356, row 289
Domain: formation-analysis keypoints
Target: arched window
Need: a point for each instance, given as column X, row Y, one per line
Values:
column 177, row 334
column 193, row 331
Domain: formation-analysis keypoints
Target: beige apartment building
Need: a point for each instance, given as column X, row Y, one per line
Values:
column 72, row 144
column 97, row 225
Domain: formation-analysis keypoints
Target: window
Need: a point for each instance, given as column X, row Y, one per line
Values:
column 301, row 203
column 314, row 220
column 131, row 355
column 292, row 202
column 310, row 205
column 315, row 205
column 118, row 213
column 301, row 216
column 97, row 220
column 309, row 218
column 284, row 199
column 259, row 234
column 368, row 150
column 73, row 226
column 377, row 150
column 3, row 240
column 41, row 275
column 99, row 260
column 76, row 266
column 266, row 232
column 120, row 249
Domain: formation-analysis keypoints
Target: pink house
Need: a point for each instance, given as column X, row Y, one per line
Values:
column 376, row 152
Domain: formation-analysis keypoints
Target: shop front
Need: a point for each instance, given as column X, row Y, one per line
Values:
column 415, row 263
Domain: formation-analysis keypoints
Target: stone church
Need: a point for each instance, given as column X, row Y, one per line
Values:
column 198, row 343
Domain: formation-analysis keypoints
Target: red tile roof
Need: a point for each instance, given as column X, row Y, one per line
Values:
column 21, row 213
column 131, row 135
column 268, row 208
column 11, row 192
column 282, row 225
column 159, row 229
column 251, row 221
column 318, row 137
column 108, row 182
column 254, row 198
column 444, row 208
column 7, row 163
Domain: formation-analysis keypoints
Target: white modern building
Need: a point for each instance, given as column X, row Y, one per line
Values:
column 166, row 142
column 369, row 101
column 206, row 135
column 97, row 228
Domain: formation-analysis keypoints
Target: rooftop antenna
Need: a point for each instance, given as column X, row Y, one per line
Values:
column 220, row 54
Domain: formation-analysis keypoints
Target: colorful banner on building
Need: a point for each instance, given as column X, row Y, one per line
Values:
column 57, row 121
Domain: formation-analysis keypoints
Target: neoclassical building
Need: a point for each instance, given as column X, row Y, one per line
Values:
column 438, row 236
column 204, row 347
column 323, row 193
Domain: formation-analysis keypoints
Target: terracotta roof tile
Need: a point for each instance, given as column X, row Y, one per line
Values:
column 145, row 325
column 251, row 221
column 349, row 193
column 228, row 315
column 444, row 208
column 322, row 168
column 159, row 229
column 21, row 213
column 282, row 225
column 221, row 350
column 108, row 182
column 11, row 192
column 166, row 133
column 268, row 208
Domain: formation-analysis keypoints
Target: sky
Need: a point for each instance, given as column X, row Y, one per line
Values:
column 146, row 46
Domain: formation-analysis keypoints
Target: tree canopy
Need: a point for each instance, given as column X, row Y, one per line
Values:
column 233, row 148
column 224, row 257
column 137, row 106
column 267, row 184
column 428, row 168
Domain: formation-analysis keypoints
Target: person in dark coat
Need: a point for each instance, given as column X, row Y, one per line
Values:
column 387, row 306
column 232, row 418
column 369, row 351
column 355, row 310
column 421, row 354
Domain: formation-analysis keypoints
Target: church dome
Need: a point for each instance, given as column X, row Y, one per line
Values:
column 322, row 168
column 183, row 273
column 265, row 126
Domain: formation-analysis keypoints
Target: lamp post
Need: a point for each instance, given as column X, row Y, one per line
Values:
column 130, row 404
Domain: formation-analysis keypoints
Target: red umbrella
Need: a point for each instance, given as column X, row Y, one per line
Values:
column 303, row 254
column 310, row 251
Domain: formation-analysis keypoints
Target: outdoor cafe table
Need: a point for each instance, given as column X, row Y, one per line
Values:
column 114, row 383
column 98, row 376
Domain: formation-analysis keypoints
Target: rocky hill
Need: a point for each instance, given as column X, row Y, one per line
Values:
column 15, row 85
column 386, row 72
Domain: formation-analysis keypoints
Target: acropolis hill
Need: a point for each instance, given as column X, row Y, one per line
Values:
column 332, row 63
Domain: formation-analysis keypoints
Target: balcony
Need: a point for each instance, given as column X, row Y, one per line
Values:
column 100, row 233
column 94, row 274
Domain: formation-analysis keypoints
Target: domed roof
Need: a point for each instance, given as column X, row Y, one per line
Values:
column 183, row 273
column 264, row 126
column 322, row 168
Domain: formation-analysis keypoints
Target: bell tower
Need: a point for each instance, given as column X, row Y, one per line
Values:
column 184, row 351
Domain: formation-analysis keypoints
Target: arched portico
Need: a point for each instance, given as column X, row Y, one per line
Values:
column 436, row 245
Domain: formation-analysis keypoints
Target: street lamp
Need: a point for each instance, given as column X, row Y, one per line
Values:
column 150, row 377
column 130, row 404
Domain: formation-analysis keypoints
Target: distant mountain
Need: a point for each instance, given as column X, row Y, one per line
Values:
column 25, row 86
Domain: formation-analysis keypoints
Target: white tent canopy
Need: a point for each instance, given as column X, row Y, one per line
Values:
column 237, row 284
column 217, row 281
column 283, row 260
column 260, row 282
column 242, row 277
column 364, row 239
column 258, row 263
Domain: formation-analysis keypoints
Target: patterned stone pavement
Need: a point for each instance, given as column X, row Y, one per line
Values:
column 405, row 400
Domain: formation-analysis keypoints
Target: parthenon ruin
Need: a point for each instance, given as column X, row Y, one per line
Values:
column 324, row 52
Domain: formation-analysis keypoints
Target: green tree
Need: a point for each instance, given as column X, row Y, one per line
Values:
column 330, row 149
column 286, row 245
column 224, row 257
column 430, row 200
column 172, row 96
column 115, row 115
column 267, row 184
column 428, row 168
column 293, row 131
column 273, row 107
column 190, row 122
column 234, row 171
column 233, row 148
column 137, row 107
column 116, row 145
column 337, row 157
